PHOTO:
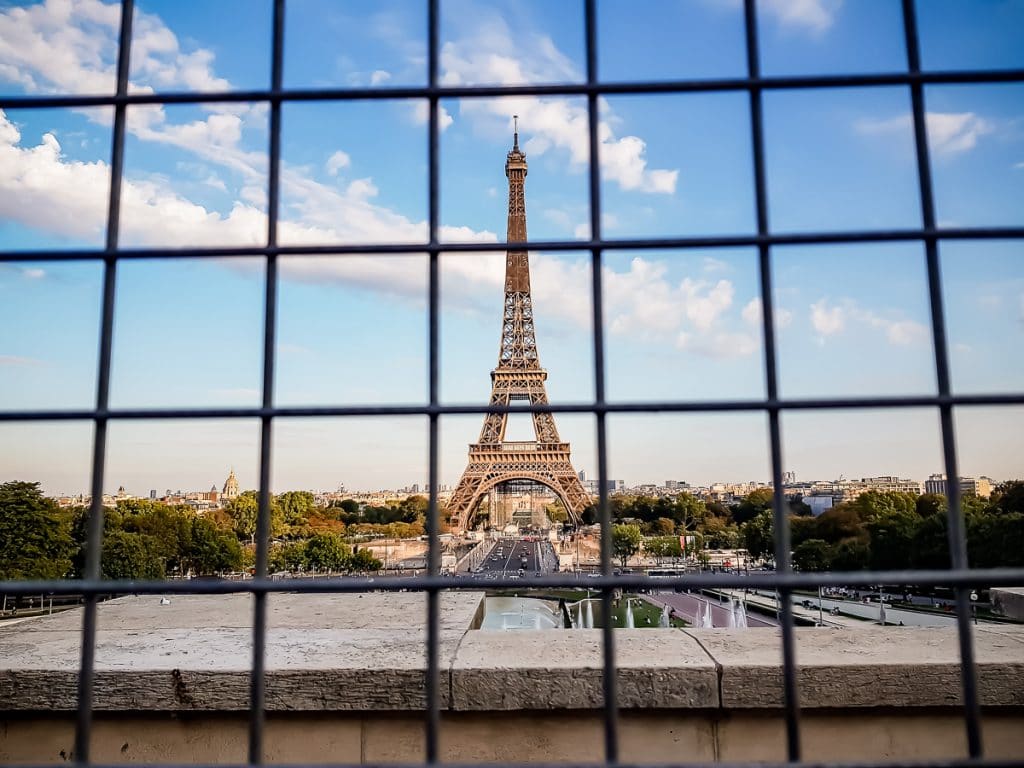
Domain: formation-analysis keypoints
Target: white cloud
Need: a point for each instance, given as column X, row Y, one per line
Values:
column 753, row 314
column 361, row 189
column 710, row 265
column 421, row 114
column 949, row 133
column 904, row 333
column 41, row 188
column 336, row 162
column 34, row 273
column 827, row 320
column 16, row 361
column 216, row 182
column 815, row 16
column 490, row 53
column 379, row 76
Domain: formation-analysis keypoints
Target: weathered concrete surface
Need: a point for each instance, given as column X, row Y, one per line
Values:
column 1009, row 601
column 366, row 653
column 868, row 667
column 653, row 737
column 563, row 670
column 336, row 652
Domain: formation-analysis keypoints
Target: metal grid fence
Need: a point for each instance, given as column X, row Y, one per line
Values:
column 784, row 579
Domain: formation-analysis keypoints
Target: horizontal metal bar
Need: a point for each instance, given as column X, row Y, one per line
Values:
column 423, row 249
column 539, row 89
column 346, row 584
column 653, row 406
column 961, row 763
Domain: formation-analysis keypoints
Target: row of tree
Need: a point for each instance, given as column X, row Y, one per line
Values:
column 144, row 539
column 877, row 530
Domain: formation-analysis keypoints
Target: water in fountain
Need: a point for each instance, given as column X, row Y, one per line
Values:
column 579, row 615
column 732, row 614
column 664, row 617
column 706, row 622
column 629, row 615
column 590, row 616
column 741, row 616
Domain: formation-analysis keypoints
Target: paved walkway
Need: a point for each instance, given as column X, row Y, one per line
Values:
column 690, row 606
column 798, row 610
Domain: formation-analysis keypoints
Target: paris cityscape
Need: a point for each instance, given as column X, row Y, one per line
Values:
column 779, row 260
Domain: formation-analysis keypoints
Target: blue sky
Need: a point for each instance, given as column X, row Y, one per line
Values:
column 852, row 320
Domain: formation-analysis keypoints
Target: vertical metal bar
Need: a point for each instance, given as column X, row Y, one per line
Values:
column 94, row 528
column 780, row 518
column 257, row 685
column 611, row 713
column 957, row 538
column 433, row 682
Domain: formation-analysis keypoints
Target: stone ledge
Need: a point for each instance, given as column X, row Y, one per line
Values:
column 365, row 653
column 866, row 667
column 563, row 670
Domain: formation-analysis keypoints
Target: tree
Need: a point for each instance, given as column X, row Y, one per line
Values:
column 663, row 526
column 753, row 504
column 892, row 534
column 327, row 552
column 757, row 535
column 130, row 556
column 812, row 555
column 1008, row 498
column 625, row 542
column 287, row 557
column 212, row 550
column 663, row 546
column 35, row 538
column 851, row 555
column 244, row 511
column 296, row 506
column 363, row 560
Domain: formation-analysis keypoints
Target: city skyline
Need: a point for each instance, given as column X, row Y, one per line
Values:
column 851, row 320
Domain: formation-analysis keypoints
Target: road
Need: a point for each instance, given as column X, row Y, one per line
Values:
column 691, row 607
column 506, row 557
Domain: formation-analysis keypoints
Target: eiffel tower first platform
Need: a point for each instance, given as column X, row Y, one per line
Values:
column 518, row 377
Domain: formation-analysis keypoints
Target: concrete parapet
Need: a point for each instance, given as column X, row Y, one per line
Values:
column 1008, row 601
column 346, row 682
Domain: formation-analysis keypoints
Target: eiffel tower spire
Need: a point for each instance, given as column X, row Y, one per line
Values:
column 518, row 376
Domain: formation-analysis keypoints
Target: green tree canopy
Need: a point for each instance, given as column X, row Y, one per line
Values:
column 131, row 556
column 813, row 555
column 296, row 506
column 35, row 537
column 753, row 504
column 244, row 510
column 327, row 552
column 757, row 535
column 625, row 542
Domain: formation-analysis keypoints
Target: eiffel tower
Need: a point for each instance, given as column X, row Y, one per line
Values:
column 493, row 460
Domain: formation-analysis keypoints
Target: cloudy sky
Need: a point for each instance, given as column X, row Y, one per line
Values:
column 852, row 320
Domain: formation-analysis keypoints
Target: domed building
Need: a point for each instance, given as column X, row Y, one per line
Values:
column 230, row 487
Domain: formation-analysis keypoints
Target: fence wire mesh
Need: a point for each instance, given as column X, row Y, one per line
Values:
column 784, row 579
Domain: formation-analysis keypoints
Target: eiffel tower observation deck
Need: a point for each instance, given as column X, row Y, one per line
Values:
column 517, row 377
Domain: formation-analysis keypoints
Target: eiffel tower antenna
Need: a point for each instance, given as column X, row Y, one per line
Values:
column 517, row 377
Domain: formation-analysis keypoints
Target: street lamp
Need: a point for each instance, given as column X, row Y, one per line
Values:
column 974, row 605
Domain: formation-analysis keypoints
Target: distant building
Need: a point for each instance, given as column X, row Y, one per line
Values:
column 977, row 486
column 230, row 487
column 152, row 494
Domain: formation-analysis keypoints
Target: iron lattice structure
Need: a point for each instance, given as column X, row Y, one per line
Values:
column 518, row 377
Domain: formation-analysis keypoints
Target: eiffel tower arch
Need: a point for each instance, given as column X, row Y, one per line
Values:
column 518, row 377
